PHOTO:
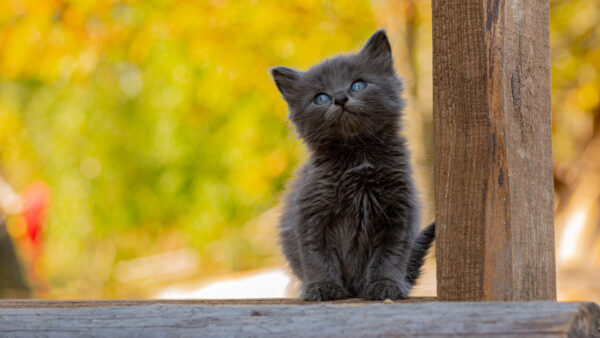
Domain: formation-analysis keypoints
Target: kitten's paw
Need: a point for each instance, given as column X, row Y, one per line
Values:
column 385, row 289
column 323, row 291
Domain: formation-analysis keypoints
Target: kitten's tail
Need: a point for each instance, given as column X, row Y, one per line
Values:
column 417, row 255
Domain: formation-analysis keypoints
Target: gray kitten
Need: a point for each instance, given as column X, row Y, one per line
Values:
column 349, row 228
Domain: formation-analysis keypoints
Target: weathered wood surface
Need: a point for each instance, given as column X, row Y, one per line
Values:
column 297, row 319
column 493, row 151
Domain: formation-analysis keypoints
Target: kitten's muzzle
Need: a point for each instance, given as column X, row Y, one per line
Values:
column 340, row 100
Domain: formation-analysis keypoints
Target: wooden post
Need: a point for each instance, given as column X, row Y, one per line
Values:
column 493, row 151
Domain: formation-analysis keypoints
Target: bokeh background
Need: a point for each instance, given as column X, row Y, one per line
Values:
column 144, row 147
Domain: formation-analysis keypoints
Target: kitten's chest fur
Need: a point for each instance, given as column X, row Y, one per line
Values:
column 361, row 193
column 360, row 203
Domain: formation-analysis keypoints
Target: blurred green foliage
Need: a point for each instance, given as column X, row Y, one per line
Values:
column 157, row 126
column 575, row 41
column 155, row 123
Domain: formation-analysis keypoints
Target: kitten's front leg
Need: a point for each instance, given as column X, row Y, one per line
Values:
column 322, row 275
column 387, row 270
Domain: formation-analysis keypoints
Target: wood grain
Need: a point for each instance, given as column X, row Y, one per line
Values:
column 353, row 319
column 493, row 150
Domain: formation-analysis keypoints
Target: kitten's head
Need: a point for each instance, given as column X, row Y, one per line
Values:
column 347, row 97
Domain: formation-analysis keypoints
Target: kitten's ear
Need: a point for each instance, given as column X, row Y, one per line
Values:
column 287, row 80
column 378, row 50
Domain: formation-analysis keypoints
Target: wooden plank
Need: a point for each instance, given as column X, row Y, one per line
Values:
column 354, row 319
column 493, row 151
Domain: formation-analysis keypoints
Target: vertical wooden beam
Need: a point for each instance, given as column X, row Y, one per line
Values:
column 493, row 151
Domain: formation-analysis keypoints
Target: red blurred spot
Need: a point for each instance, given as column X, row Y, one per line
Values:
column 35, row 201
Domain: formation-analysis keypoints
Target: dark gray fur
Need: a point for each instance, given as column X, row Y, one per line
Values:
column 349, row 228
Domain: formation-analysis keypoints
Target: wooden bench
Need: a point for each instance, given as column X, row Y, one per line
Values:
column 291, row 318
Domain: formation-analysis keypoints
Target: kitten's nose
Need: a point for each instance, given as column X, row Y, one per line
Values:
column 340, row 100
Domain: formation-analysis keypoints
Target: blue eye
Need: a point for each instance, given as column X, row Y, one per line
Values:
column 322, row 99
column 358, row 86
